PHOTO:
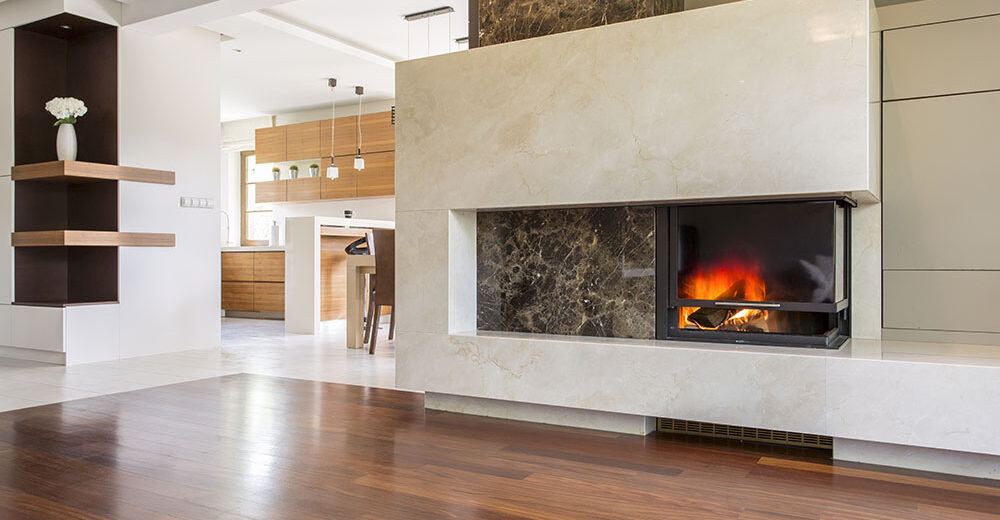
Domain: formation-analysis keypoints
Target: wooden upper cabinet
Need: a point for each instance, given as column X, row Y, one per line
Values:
column 271, row 191
column 377, row 133
column 237, row 267
column 302, row 141
column 378, row 179
column 343, row 187
column 270, row 144
column 345, row 135
column 303, row 189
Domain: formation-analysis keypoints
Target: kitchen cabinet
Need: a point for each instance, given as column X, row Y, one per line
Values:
column 345, row 133
column 253, row 281
column 377, row 133
column 302, row 141
column 237, row 296
column 271, row 191
column 378, row 179
column 271, row 144
column 343, row 187
column 303, row 189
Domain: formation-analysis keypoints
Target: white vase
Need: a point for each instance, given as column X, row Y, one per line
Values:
column 66, row 142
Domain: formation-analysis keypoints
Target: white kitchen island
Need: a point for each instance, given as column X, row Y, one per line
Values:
column 304, row 255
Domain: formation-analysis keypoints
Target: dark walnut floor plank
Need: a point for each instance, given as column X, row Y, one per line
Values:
column 260, row 447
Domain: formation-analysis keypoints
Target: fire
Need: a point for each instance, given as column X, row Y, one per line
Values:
column 728, row 282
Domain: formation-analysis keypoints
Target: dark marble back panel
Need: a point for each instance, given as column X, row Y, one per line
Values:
column 579, row 272
column 502, row 21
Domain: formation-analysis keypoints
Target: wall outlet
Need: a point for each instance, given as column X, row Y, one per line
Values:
column 197, row 202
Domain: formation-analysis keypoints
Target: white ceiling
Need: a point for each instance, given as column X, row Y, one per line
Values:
column 279, row 58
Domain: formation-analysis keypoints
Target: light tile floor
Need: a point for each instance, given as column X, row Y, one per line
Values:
column 251, row 346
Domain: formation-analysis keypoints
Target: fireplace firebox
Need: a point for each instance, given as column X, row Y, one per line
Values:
column 760, row 273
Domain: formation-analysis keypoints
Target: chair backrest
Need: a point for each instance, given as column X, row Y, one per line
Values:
column 385, row 266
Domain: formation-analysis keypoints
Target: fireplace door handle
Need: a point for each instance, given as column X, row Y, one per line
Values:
column 750, row 305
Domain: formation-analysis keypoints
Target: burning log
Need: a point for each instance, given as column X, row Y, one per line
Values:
column 747, row 320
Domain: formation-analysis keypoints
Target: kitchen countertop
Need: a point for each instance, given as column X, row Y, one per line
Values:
column 250, row 249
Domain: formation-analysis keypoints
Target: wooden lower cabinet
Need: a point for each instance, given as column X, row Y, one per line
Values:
column 237, row 296
column 253, row 281
column 268, row 297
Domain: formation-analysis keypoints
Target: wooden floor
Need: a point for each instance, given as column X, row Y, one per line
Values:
column 261, row 447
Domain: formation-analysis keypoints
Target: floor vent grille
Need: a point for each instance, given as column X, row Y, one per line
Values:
column 744, row 433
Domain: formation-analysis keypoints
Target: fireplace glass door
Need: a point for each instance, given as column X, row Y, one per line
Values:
column 770, row 272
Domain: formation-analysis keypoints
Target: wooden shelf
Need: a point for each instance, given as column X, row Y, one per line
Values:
column 90, row 238
column 78, row 171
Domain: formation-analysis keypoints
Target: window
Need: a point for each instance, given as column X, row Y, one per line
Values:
column 256, row 220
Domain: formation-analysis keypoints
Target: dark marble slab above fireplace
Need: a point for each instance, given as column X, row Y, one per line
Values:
column 581, row 272
column 502, row 21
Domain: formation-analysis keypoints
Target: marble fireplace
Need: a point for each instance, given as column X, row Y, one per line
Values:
column 493, row 146
column 766, row 272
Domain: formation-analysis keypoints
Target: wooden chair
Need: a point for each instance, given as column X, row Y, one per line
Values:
column 383, row 284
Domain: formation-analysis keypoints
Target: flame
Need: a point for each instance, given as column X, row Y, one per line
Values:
column 731, row 282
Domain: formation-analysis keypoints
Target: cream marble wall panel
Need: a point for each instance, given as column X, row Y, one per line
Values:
column 574, row 417
column 866, row 271
column 932, row 405
column 941, row 181
column 422, row 271
column 462, row 271
column 662, row 108
column 920, row 12
column 942, row 300
column 943, row 58
column 782, row 391
column 923, row 459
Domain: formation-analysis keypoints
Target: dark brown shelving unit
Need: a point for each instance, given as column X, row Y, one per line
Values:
column 66, row 235
column 66, row 223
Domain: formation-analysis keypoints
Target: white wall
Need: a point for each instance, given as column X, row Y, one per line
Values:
column 238, row 136
column 169, row 119
column 6, row 188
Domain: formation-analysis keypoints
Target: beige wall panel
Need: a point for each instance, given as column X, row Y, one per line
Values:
column 942, row 300
column 941, row 180
column 945, row 58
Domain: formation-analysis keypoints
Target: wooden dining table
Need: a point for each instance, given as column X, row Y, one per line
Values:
column 357, row 267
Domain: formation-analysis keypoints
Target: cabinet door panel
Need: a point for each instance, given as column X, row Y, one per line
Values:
column 303, row 189
column 377, row 132
column 269, row 297
column 343, row 187
column 302, row 141
column 269, row 266
column 237, row 296
column 345, row 135
column 271, row 191
column 270, row 144
column 237, row 267
column 378, row 179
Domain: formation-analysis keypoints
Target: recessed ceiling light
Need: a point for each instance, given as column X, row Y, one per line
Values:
column 64, row 26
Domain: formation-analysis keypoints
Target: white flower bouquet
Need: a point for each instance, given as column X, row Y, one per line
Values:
column 66, row 110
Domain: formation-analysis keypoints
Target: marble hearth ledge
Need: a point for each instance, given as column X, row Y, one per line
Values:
column 940, row 396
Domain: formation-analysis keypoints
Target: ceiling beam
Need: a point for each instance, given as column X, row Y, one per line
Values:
column 306, row 33
column 162, row 16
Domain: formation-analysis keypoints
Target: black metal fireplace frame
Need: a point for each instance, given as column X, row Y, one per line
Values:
column 667, row 302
